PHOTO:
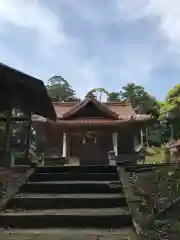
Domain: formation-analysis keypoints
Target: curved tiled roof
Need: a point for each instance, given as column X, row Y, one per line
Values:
column 121, row 112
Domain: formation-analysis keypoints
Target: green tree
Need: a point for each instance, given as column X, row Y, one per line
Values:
column 113, row 96
column 171, row 104
column 170, row 110
column 141, row 100
column 60, row 90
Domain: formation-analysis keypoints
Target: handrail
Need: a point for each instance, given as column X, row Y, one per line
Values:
column 143, row 167
column 124, row 176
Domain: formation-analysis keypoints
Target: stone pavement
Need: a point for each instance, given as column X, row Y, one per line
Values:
column 69, row 234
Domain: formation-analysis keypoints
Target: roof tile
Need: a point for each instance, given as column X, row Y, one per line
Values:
column 122, row 109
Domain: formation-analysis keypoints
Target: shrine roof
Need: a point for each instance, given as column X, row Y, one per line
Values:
column 119, row 111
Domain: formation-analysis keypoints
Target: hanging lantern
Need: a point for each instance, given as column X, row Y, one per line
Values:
column 84, row 140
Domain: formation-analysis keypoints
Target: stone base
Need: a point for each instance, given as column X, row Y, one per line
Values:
column 73, row 161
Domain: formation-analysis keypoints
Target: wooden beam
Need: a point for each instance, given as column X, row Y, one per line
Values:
column 7, row 148
column 14, row 118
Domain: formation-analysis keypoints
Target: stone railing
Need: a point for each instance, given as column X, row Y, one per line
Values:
column 10, row 181
column 152, row 191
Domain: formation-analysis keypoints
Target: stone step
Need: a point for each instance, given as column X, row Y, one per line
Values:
column 70, row 218
column 72, row 187
column 72, row 176
column 81, row 168
column 125, row 233
column 64, row 201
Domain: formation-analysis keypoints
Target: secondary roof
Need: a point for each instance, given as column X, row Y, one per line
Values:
column 25, row 92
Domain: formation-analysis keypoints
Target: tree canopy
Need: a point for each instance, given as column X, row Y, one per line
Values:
column 60, row 90
column 141, row 100
column 171, row 105
column 170, row 110
column 113, row 97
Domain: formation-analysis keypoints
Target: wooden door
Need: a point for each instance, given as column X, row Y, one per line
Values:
column 89, row 154
column 94, row 153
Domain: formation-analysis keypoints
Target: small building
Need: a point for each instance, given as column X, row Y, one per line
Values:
column 16, row 90
column 85, row 132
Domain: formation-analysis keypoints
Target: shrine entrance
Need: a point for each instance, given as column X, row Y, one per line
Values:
column 89, row 154
column 91, row 147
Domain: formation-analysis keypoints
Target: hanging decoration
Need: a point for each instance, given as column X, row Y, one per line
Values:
column 84, row 140
column 90, row 136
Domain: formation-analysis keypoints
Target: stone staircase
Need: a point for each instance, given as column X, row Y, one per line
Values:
column 71, row 197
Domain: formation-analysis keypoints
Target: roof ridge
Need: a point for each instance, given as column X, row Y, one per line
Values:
column 83, row 103
column 118, row 103
column 124, row 103
column 64, row 103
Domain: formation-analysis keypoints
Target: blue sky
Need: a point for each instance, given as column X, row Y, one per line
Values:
column 94, row 43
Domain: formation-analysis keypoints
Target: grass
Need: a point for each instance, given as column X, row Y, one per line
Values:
column 158, row 155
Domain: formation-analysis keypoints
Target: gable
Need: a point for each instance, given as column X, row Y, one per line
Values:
column 90, row 109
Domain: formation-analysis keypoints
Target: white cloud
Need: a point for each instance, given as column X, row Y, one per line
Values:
column 62, row 51
column 58, row 54
column 131, row 10
column 100, row 13
column 29, row 14
column 89, row 77
column 169, row 17
column 165, row 12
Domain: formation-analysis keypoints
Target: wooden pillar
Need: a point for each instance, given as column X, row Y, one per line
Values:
column 136, row 141
column 68, row 146
column 28, row 135
column 147, row 142
column 8, row 138
column 64, row 145
column 42, row 159
column 142, row 137
column 115, row 143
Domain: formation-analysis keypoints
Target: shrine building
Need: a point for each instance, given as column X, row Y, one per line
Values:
column 86, row 131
